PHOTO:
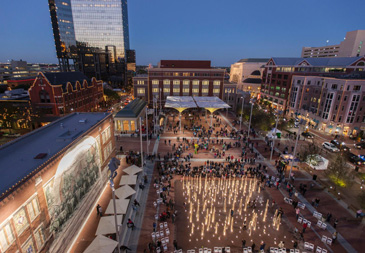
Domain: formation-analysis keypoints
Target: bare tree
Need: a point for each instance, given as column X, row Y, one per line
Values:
column 339, row 171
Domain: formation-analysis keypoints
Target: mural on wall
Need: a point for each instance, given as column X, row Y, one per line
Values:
column 76, row 173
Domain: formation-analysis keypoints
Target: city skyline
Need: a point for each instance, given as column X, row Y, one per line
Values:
column 157, row 32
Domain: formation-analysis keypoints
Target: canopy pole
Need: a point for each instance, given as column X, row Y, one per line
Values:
column 211, row 119
column 180, row 120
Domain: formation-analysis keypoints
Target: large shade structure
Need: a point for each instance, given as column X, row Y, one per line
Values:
column 180, row 103
column 101, row 244
column 107, row 225
column 124, row 192
column 211, row 104
column 120, row 204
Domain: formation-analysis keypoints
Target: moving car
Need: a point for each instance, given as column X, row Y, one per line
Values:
column 307, row 135
column 330, row 147
column 354, row 159
column 340, row 145
column 360, row 145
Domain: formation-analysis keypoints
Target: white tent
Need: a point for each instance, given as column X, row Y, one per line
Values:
column 129, row 180
column 131, row 170
column 101, row 244
column 317, row 162
column 107, row 225
column 121, row 206
column 124, row 192
column 273, row 133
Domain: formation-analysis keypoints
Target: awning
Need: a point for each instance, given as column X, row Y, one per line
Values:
column 356, row 128
column 124, row 192
column 121, row 206
column 131, row 170
column 107, row 225
column 128, row 180
column 180, row 103
column 101, row 244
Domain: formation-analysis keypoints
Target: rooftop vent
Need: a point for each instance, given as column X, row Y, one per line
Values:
column 82, row 120
column 40, row 156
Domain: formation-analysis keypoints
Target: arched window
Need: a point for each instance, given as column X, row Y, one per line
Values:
column 361, row 64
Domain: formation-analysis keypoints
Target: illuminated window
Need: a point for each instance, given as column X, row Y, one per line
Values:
column 6, row 237
column 166, row 82
column 186, row 90
column 176, row 90
column 176, row 73
column 105, row 135
column 216, row 82
column 20, row 221
column 33, row 208
column 216, row 91
column 196, row 82
column 186, row 74
column 155, row 82
column 195, row 90
column 140, row 82
column 141, row 91
column 176, row 82
column 186, row 82
column 155, row 90
column 39, row 237
column 205, row 82
column 166, row 90
column 205, row 91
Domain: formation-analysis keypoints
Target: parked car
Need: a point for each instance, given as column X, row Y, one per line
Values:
column 330, row 147
column 360, row 145
column 307, row 135
column 340, row 145
column 354, row 159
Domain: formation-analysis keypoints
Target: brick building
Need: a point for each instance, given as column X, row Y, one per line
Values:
column 334, row 105
column 50, row 179
column 180, row 78
column 279, row 72
column 57, row 94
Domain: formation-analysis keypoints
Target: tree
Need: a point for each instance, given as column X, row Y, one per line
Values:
column 111, row 95
column 339, row 171
column 308, row 153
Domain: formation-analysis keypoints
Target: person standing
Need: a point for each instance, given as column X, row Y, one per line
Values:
column 100, row 210
column 175, row 244
column 97, row 210
column 305, row 225
column 130, row 224
column 297, row 211
column 335, row 223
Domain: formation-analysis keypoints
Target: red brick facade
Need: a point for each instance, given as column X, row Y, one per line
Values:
column 48, row 99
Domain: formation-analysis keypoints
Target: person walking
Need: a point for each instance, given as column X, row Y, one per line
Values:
column 305, row 225
column 97, row 210
column 297, row 212
column 243, row 244
column 335, row 223
column 130, row 224
column 334, row 236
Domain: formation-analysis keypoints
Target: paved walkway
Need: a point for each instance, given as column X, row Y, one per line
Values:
column 340, row 238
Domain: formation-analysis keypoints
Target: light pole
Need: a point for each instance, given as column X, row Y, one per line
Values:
column 249, row 123
column 241, row 113
column 228, row 91
column 160, row 101
column 140, row 134
column 295, row 149
column 147, row 129
column 273, row 141
column 113, row 166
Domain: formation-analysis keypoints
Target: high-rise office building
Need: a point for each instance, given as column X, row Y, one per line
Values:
column 91, row 35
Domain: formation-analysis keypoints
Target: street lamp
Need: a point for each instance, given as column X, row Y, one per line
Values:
column 228, row 91
column 241, row 113
column 140, row 134
column 249, row 123
column 113, row 166
column 273, row 141
column 295, row 149
column 160, row 101
column 147, row 129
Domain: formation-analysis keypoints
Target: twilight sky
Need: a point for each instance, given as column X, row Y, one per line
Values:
column 222, row 31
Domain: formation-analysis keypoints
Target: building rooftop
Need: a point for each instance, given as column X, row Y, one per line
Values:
column 62, row 78
column 254, row 60
column 320, row 62
column 183, row 64
column 22, row 156
column 132, row 110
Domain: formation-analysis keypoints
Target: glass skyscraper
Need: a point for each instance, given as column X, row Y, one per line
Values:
column 93, row 34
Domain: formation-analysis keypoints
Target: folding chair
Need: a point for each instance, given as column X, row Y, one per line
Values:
column 319, row 249
column 154, row 204
column 161, row 226
column 306, row 245
column 272, row 250
column 324, row 239
column 249, row 249
column 201, row 250
column 324, row 251
column 205, row 250
column 162, row 234
column 163, row 241
column 296, row 251
column 165, row 224
column 158, row 250
column 309, row 223
column 156, row 216
column 153, row 236
column 216, row 250
column 329, row 241
column 165, row 248
column 311, row 247
column 300, row 220
column 245, row 250
column 209, row 251
column 167, row 232
column 324, row 226
column 228, row 249
column 319, row 223
column 157, row 235
column 291, row 250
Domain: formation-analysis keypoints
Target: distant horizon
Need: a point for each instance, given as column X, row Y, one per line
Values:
column 221, row 33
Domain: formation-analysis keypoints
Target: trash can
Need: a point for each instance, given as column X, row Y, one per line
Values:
column 278, row 135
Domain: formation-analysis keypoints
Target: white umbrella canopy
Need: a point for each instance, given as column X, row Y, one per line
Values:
column 121, row 206
column 101, row 244
column 107, row 225
column 124, row 192
column 131, row 170
column 128, row 180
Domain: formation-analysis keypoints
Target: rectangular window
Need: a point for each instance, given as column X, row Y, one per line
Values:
column 186, row 82
column 20, row 221
column 176, row 90
column 215, row 91
column 6, row 237
column 216, row 82
column 176, row 73
column 186, row 90
column 186, row 74
column 155, row 82
column 39, row 237
column 176, row 82
column 33, row 208
column 141, row 91
column 166, row 90
column 105, row 135
column 205, row 91
column 140, row 82
column 205, row 82
column 195, row 90
column 155, row 90
column 196, row 82
column 166, row 82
